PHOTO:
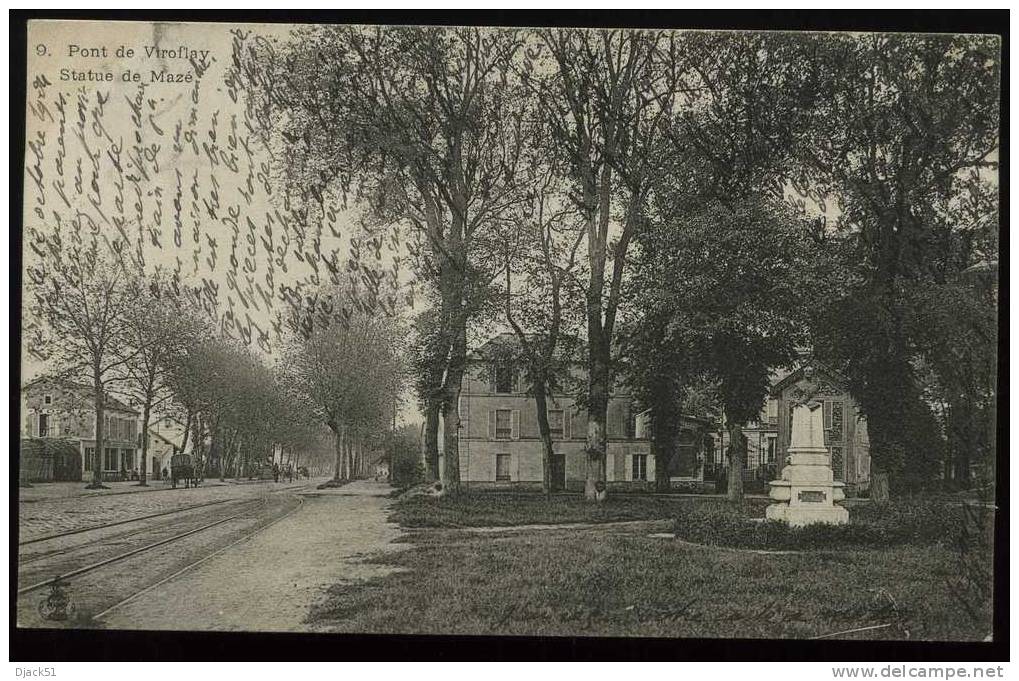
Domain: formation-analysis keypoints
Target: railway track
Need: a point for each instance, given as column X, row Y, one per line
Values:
column 123, row 556
column 83, row 560
column 196, row 563
column 93, row 528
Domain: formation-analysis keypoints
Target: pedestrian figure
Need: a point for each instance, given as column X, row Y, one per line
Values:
column 164, row 473
column 275, row 472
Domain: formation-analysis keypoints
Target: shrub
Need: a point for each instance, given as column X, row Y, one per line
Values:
column 918, row 522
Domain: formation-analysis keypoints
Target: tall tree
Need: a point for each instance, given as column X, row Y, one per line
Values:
column 732, row 142
column 351, row 373
column 85, row 300
column 153, row 335
column 425, row 123
column 903, row 123
column 541, row 251
column 606, row 97
column 735, row 288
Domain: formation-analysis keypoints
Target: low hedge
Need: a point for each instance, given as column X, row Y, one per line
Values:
column 871, row 525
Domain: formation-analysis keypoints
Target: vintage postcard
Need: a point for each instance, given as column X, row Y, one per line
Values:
column 340, row 328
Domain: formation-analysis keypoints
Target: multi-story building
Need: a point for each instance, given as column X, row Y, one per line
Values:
column 54, row 408
column 500, row 444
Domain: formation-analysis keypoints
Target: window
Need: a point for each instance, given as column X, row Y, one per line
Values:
column 127, row 459
column 504, row 379
column 502, row 467
column 555, row 422
column 47, row 399
column 503, row 424
column 834, row 420
column 166, row 423
column 772, row 411
column 640, row 466
column 109, row 459
column 838, row 463
column 90, row 454
column 771, row 449
column 44, row 425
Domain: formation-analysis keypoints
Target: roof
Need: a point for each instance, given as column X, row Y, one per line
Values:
column 797, row 374
column 505, row 340
column 111, row 401
column 156, row 418
column 156, row 435
column 683, row 417
column 47, row 446
column 509, row 341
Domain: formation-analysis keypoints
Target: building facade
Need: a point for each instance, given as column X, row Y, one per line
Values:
column 845, row 428
column 767, row 437
column 500, row 443
column 166, row 435
column 58, row 409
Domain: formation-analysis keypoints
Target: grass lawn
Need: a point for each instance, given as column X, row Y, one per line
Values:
column 501, row 510
column 613, row 582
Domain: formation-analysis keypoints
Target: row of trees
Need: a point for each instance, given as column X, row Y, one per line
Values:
column 106, row 324
column 350, row 373
column 705, row 202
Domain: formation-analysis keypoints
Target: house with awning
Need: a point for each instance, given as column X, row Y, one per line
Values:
column 54, row 408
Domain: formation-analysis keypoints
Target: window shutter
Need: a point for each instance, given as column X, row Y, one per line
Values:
column 620, row 465
column 491, row 378
column 515, row 424
column 567, row 425
column 35, row 426
column 491, row 425
column 827, row 414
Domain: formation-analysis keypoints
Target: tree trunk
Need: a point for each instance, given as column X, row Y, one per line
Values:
column 146, row 412
column 216, row 448
column 450, row 409
column 339, row 453
column 346, row 454
column 736, row 456
column 431, row 440
column 97, row 463
column 357, row 457
column 547, row 450
column 663, row 441
column 597, row 417
column 187, row 432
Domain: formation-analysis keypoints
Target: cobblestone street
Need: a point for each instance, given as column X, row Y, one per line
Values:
column 47, row 509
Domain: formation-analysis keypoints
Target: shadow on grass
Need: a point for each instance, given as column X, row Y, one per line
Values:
column 563, row 583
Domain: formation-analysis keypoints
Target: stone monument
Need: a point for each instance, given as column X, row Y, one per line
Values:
column 807, row 491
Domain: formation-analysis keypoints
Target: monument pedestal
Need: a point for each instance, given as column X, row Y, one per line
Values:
column 807, row 491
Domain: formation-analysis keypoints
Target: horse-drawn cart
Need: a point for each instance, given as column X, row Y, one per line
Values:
column 185, row 467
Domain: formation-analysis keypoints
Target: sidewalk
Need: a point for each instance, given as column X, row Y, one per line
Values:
column 270, row 581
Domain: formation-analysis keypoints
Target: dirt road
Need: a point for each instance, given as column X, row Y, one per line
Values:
column 270, row 581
